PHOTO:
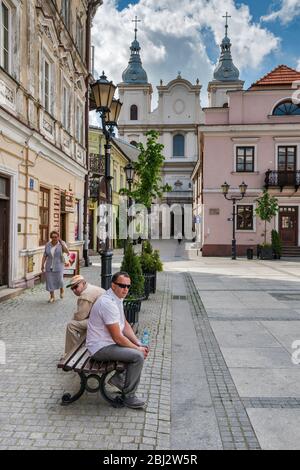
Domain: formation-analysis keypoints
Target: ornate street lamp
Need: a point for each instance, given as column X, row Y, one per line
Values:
column 109, row 110
column 225, row 190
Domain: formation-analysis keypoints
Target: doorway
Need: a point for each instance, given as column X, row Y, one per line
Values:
column 288, row 225
column 4, row 229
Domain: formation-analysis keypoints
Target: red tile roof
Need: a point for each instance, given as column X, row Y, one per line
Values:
column 280, row 76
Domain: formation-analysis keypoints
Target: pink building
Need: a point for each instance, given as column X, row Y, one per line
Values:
column 250, row 136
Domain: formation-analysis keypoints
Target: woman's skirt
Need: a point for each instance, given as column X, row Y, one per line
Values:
column 54, row 280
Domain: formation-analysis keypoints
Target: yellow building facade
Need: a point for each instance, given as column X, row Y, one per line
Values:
column 121, row 154
column 43, row 82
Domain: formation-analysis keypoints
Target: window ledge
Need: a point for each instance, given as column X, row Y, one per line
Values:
column 245, row 172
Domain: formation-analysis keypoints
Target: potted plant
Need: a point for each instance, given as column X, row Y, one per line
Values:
column 131, row 265
column 276, row 244
column 151, row 263
column 267, row 208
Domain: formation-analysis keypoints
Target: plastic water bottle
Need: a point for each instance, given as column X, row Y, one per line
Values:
column 145, row 338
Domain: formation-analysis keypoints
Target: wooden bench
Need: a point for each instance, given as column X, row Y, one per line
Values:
column 79, row 360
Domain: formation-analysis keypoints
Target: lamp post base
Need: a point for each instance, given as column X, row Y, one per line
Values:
column 233, row 249
column 106, row 267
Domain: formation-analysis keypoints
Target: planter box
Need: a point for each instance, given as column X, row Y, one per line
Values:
column 265, row 252
column 150, row 284
column 131, row 310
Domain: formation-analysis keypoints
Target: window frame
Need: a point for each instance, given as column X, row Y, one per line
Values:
column 279, row 146
column 66, row 12
column 42, row 210
column 244, row 230
column 284, row 102
column 7, row 69
column 79, row 36
column 173, row 146
column 79, row 122
column 245, row 148
column 46, row 98
column 135, row 116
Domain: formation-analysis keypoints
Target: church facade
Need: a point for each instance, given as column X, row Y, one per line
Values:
column 176, row 118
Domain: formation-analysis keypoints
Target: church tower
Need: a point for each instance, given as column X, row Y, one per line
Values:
column 226, row 75
column 135, row 93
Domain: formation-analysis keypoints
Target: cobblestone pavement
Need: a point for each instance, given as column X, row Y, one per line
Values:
column 31, row 416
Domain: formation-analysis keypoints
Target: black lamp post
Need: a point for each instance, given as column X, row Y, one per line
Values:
column 225, row 189
column 129, row 172
column 109, row 110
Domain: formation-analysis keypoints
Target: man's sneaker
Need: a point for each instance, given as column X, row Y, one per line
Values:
column 133, row 402
column 118, row 381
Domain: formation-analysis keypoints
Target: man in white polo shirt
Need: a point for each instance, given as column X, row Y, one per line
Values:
column 111, row 338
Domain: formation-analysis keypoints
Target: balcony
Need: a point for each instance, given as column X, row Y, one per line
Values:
column 282, row 178
column 96, row 164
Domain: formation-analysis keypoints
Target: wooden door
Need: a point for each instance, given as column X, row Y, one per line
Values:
column 288, row 225
column 4, row 239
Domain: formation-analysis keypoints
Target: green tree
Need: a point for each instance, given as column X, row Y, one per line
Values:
column 267, row 208
column 148, row 170
column 131, row 264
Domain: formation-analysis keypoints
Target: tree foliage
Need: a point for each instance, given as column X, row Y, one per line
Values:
column 148, row 170
column 267, row 208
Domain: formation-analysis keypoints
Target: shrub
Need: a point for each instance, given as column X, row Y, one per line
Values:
column 131, row 264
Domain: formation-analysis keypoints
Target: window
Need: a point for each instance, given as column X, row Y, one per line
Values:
column 79, row 124
column 79, row 36
column 133, row 113
column 44, row 206
column 287, row 108
column 244, row 217
column 122, row 185
column 66, row 108
column 47, row 85
column 76, row 220
column 287, row 157
column 245, row 159
column 5, row 36
column 178, row 145
column 65, row 12
column 115, row 184
column 133, row 142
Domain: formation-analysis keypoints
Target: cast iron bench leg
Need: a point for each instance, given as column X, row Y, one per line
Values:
column 67, row 398
column 115, row 399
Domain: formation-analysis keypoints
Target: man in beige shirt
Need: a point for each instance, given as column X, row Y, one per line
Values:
column 87, row 294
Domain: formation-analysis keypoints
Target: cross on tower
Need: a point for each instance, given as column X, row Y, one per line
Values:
column 226, row 16
column 136, row 21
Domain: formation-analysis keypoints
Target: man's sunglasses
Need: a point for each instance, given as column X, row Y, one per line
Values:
column 123, row 286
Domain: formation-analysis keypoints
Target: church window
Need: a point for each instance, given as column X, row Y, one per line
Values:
column 178, row 145
column 287, row 108
column 65, row 12
column 133, row 142
column 133, row 113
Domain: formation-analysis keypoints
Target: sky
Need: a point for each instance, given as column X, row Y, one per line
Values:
column 184, row 35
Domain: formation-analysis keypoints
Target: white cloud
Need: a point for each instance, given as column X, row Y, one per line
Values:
column 298, row 65
column 178, row 35
column 288, row 11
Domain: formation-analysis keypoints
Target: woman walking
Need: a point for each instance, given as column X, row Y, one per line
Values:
column 54, row 259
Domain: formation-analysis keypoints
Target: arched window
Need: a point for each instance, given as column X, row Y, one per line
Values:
column 178, row 145
column 287, row 108
column 133, row 112
column 133, row 142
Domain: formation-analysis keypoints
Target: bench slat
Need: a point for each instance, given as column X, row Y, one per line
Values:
column 72, row 362
column 72, row 353
column 81, row 363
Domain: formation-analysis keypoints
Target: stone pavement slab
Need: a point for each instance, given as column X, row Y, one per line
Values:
column 276, row 429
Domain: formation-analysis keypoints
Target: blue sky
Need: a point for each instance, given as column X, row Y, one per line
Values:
column 185, row 35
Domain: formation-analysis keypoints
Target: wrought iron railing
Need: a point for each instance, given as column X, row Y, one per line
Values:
column 96, row 164
column 282, row 178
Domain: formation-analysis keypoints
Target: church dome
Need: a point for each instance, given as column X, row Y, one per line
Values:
column 134, row 73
